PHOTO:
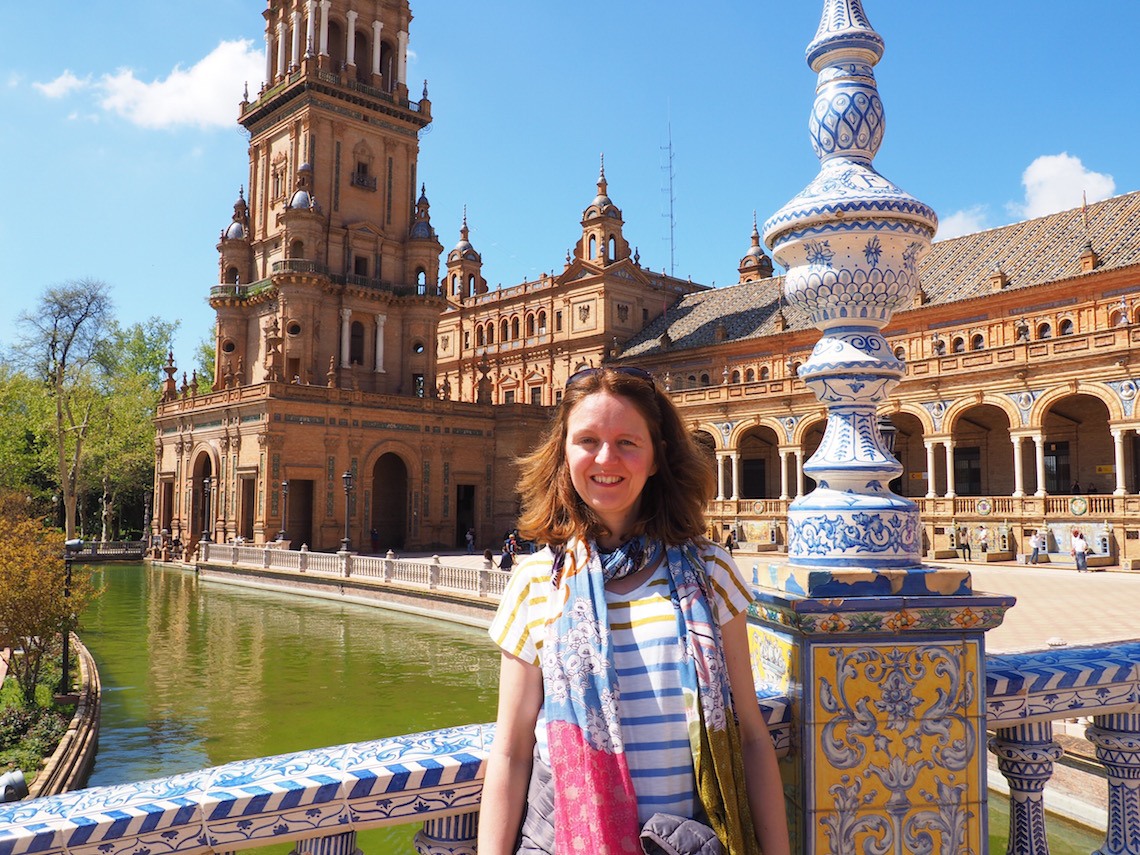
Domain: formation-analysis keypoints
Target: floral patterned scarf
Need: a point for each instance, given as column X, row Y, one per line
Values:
column 595, row 806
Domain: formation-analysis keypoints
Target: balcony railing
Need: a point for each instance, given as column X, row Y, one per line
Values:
column 300, row 265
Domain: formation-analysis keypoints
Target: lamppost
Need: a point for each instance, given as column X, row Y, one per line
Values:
column 70, row 547
column 346, row 543
column 284, row 509
column 206, row 509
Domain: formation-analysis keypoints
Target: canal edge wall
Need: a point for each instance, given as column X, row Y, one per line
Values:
column 456, row 608
column 70, row 764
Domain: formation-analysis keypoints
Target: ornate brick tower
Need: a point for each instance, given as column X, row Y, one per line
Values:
column 329, row 271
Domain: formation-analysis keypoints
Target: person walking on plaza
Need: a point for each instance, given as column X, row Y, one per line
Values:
column 983, row 539
column 1038, row 543
column 470, row 538
column 627, row 708
column 964, row 542
column 1079, row 549
column 730, row 542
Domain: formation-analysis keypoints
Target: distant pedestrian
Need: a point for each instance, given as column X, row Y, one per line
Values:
column 507, row 559
column 375, row 536
column 1076, row 488
column 983, row 539
column 964, row 542
column 1038, row 544
column 1079, row 549
column 470, row 538
column 730, row 542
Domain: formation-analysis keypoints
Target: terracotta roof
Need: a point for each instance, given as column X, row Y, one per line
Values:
column 1030, row 253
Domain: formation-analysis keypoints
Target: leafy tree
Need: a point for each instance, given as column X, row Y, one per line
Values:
column 27, row 443
column 61, row 342
column 33, row 607
column 122, row 442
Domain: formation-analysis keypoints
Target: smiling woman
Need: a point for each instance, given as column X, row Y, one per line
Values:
column 629, row 592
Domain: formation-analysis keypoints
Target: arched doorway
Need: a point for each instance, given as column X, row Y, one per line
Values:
column 202, row 499
column 389, row 502
column 1078, row 446
column 759, row 464
column 983, row 452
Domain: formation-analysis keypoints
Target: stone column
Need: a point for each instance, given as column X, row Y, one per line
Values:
column 451, row 835
column 720, row 476
column 784, row 474
column 295, row 53
column 1118, row 460
column 324, row 48
column 268, row 57
column 1026, row 753
column 332, row 844
column 377, row 30
column 1117, row 741
column 281, row 55
column 736, row 473
column 1039, row 450
column 931, row 492
column 1018, row 475
column 311, row 27
column 345, row 337
column 350, row 38
column 402, row 57
column 950, row 491
column 380, row 319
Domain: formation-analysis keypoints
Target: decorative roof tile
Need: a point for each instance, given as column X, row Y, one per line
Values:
column 1030, row 253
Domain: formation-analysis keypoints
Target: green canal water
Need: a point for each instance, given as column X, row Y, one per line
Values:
column 196, row 674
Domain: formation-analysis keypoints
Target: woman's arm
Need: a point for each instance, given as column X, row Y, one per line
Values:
column 508, row 764
column 765, row 791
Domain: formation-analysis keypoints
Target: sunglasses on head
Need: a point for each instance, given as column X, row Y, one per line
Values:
column 627, row 370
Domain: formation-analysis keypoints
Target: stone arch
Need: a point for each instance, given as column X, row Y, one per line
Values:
column 758, row 445
column 983, row 450
column 390, row 484
column 1075, row 424
column 205, row 466
column 957, row 408
column 1101, row 391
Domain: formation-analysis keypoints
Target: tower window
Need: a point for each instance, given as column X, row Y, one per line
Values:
column 418, row 385
column 360, row 265
column 361, row 177
column 1065, row 327
column 593, row 247
column 228, row 346
column 418, row 347
column 356, row 343
column 514, row 327
column 294, row 328
column 558, row 321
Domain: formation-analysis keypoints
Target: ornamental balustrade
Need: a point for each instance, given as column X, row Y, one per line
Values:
column 423, row 574
column 319, row 800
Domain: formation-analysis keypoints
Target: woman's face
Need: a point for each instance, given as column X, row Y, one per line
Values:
column 609, row 451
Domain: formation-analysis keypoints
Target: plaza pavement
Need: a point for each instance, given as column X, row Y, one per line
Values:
column 1054, row 603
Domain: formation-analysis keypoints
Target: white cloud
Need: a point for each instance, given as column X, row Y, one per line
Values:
column 63, row 85
column 964, row 222
column 205, row 95
column 1056, row 182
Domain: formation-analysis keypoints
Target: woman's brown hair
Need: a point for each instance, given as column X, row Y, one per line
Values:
column 673, row 500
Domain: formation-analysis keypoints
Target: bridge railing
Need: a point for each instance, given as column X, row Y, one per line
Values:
column 319, row 798
column 110, row 550
column 1026, row 693
column 325, row 796
column 427, row 574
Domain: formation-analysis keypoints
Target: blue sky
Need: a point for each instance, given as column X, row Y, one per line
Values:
column 123, row 159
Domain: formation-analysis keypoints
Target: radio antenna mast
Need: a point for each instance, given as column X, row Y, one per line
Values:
column 668, row 167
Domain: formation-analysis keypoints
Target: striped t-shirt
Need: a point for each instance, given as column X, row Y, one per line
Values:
column 647, row 653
